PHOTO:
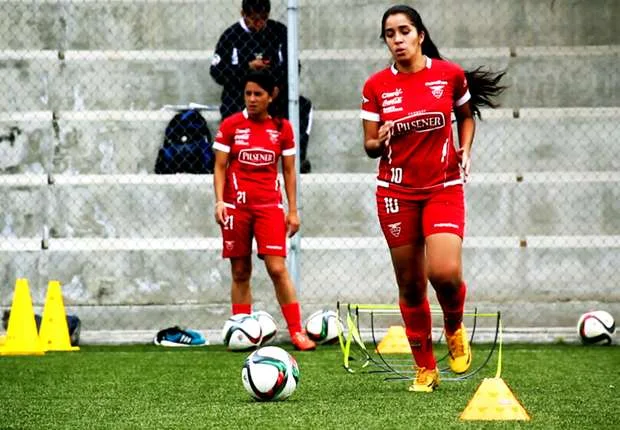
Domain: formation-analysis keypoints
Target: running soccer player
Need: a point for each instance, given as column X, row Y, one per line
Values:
column 406, row 114
column 248, row 201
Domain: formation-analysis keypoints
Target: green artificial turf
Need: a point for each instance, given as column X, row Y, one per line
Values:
column 561, row 386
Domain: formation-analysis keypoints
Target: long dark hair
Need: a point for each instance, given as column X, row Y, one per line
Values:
column 483, row 84
column 267, row 82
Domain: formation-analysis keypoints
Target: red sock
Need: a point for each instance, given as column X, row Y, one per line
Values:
column 292, row 315
column 241, row 308
column 452, row 305
column 418, row 328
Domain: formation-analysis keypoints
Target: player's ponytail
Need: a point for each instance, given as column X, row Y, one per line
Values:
column 483, row 84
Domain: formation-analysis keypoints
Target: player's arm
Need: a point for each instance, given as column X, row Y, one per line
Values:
column 466, row 127
column 221, row 151
column 222, row 70
column 290, row 187
column 376, row 137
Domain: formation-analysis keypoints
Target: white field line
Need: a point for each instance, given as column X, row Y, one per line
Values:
column 93, row 244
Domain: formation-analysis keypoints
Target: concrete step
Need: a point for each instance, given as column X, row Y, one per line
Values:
column 154, row 206
column 171, row 24
column 141, row 289
column 110, row 80
column 94, row 142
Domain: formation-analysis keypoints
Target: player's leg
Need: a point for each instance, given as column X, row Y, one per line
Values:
column 444, row 223
column 237, row 246
column 270, row 232
column 401, row 224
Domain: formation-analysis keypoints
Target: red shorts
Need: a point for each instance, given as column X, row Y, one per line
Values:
column 265, row 223
column 409, row 221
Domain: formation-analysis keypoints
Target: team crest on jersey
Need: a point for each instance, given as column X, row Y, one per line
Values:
column 229, row 244
column 395, row 228
column 274, row 136
column 437, row 88
column 257, row 156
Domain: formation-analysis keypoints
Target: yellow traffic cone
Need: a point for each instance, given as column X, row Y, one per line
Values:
column 22, row 337
column 54, row 331
column 494, row 401
column 394, row 342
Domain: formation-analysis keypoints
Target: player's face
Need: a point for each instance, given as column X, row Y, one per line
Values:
column 255, row 21
column 402, row 38
column 256, row 99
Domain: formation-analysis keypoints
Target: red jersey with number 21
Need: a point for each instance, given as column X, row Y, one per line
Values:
column 421, row 155
column 254, row 149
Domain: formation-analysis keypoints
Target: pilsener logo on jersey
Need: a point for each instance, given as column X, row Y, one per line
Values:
column 257, row 156
column 419, row 123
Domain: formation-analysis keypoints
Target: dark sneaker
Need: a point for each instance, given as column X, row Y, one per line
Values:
column 176, row 336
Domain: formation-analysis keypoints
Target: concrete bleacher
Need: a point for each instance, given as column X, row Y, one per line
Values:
column 86, row 83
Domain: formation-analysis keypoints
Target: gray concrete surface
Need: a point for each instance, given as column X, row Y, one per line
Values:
column 533, row 80
column 539, row 140
column 323, row 23
column 329, row 208
column 149, row 289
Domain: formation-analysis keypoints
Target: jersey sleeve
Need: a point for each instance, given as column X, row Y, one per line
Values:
column 224, row 137
column 461, row 88
column 287, row 139
column 370, row 107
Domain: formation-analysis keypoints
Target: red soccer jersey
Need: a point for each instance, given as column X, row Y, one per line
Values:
column 421, row 154
column 254, row 149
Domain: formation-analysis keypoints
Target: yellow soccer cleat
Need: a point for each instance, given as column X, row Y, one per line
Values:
column 426, row 380
column 460, row 350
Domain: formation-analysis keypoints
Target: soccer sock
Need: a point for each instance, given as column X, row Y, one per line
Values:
column 292, row 315
column 418, row 329
column 241, row 308
column 452, row 304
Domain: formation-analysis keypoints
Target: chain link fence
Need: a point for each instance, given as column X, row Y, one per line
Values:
column 89, row 88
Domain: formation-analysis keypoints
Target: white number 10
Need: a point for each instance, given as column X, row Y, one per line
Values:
column 397, row 175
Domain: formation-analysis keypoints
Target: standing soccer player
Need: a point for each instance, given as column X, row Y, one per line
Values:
column 406, row 113
column 248, row 201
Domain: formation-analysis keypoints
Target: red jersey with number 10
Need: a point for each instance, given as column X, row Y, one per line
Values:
column 421, row 155
column 254, row 149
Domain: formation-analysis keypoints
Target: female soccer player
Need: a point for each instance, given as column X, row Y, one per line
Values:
column 248, row 201
column 406, row 113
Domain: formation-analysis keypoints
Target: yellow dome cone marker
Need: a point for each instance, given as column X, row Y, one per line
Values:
column 22, row 337
column 54, row 331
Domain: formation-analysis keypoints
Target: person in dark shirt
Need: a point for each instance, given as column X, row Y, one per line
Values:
column 255, row 42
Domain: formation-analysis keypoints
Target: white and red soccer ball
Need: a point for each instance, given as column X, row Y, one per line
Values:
column 270, row 373
column 596, row 327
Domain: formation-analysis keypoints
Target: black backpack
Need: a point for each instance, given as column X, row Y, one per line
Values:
column 187, row 145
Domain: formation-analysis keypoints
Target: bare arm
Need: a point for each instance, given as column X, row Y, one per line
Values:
column 290, row 187
column 219, row 180
column 466, row 127
column 376, row 138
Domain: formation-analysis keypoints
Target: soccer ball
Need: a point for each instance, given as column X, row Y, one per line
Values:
column 270, row 373
column 241, row 332
column 322, row 326
column 267, row 324
column 596, row 327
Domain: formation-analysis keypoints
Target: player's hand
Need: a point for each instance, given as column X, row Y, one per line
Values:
column 385, row 133
column 464, row 162
column 292, row 223
column 220, row 213
column 259, row 64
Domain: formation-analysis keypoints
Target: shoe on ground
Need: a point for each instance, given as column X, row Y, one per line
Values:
column 302, row 342
column 426, row 380
column 176, row 336
column 305, row 166
column 459, row 357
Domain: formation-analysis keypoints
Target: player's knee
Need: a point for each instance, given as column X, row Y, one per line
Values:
column 447, row 276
